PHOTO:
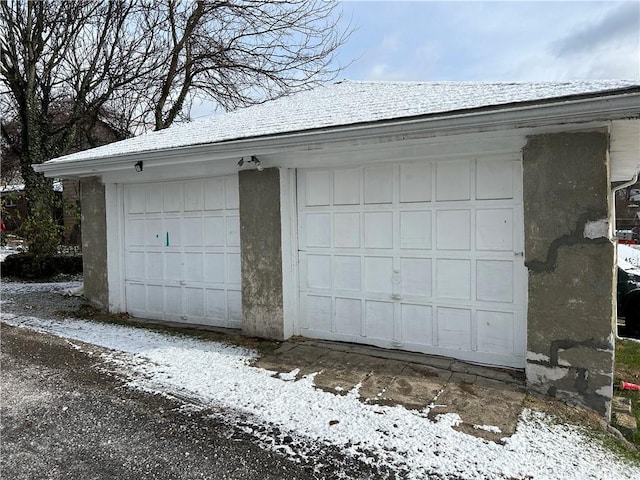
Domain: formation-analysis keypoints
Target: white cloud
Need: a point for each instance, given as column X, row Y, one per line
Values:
column 391, row 43
column 497, row 40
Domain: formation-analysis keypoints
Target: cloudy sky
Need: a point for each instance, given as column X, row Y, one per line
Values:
column 495, row 40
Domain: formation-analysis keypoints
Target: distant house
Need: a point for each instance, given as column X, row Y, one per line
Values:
column 470, row 220
column 90, row 133
column 14, row 205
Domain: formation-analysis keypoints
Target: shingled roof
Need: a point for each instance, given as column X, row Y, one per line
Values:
column 350, row 103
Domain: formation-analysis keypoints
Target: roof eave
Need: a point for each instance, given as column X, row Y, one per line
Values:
column 560, row 111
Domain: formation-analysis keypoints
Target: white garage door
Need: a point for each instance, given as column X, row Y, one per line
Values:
column 182, row 251
column 423, row 257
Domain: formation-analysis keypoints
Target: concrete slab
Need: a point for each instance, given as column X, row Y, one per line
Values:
column 487, row 412
column 376, row 384
column 488, row 401
column 416, row 386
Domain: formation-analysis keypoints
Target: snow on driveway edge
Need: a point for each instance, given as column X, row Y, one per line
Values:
column 220, row 377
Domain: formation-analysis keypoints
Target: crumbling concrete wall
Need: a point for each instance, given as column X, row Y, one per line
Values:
column 261, row 253
column 570, row 326
column 94, row 241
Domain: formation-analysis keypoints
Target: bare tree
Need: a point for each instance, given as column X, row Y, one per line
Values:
column 139, row 64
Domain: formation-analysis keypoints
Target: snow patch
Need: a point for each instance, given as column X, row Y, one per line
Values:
column 597, row 229
column 544, row 374
column 606, row 391
column 290, row 376
column 488, row 428
column 537, row 357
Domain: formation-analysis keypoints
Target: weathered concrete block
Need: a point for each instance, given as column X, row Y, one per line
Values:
column 626, row 423
column 570, row 319
column 94, row 241
column 621, row 405
column 261, row 253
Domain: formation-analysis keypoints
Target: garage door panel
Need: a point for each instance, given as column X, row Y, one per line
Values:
column 318, row 188
column 415, row 230
column 173, row 198
column 495, row 332
column 155, row 235
column 348, row 316
column 153, row 199
column 454, row 328
column 318, row 230
column 193, row 267
column 234, row 308
column 378, row 230
column 416, row 276
column 378, row 185
column 155, row 299
column 318, row 271
column 193, row 231
column 173, row 232
column 415, row 183
column 379, row 319
column 182, row 251
column 453, row 279
column 136, row 265
column 495, row 179
column 346, row 230
column 214, row 194
column 136, row 297
column 155, row 267
column 135, row 232
column 214, row 268
column 214, row 231
column 494, row 281
column 231, row 193
column 173, row 266
column 453, row 229
column 216, row 304
column 494, row 229
column 417, row 323
column 173, row 302
column 378, row 274
column 135, row 200
column 453, row 180
column 233, row 231
column 347, row 273
column 193, row 196
column 234, row 273
column 318, row 312
column 194, row 303
column 346, row 186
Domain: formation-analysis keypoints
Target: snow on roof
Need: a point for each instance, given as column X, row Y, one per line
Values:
column 347, row 103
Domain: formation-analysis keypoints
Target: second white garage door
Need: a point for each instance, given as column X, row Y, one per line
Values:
column 423, row 257
column 182, row 251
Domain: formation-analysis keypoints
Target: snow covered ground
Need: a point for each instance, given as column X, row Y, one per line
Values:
column 219, row 377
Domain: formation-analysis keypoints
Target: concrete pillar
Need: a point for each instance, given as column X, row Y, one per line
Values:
column 261, row 254
column 571, row 315
column 94, row 240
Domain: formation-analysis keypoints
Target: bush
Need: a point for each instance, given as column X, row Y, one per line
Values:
column 30, row 267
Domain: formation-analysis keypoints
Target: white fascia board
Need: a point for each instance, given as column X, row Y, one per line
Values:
column 571, row 111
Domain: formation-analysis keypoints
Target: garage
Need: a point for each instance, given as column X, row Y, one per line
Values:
column 421, row 256
column 182, row 251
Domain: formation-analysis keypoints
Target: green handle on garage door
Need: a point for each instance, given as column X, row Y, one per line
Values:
column 167, row 239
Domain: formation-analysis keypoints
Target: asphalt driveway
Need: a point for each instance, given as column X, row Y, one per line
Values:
column 63, row 416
